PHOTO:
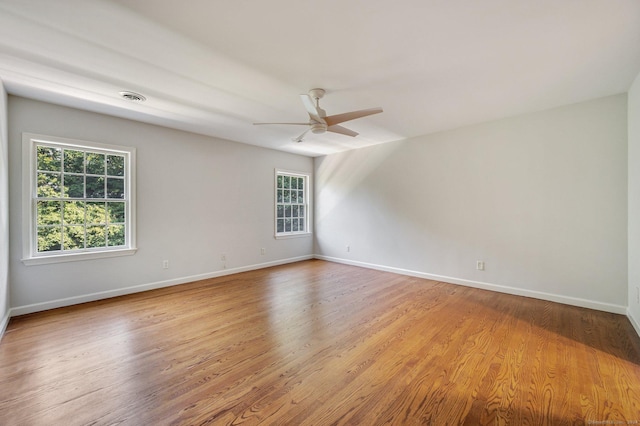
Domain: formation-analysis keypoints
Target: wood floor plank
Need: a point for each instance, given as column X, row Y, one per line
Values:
column 319, row 343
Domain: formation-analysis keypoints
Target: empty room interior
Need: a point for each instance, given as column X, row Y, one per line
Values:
column 346, row 212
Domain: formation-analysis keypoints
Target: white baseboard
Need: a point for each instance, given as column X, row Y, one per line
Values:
column 633, row 322
column 567, row 300
column 37, row 307
column 585, row 303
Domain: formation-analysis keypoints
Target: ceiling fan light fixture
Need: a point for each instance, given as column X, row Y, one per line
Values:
column 132, row 96
column 318, row 128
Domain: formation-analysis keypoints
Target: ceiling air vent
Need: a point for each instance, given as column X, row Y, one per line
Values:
column 133, row 96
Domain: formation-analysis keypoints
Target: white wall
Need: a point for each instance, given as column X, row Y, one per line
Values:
column 197, row 197
column 540, row 198
column 634, row 202
column 4, row 213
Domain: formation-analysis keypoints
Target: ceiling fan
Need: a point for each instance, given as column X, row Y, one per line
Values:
column 319, row 122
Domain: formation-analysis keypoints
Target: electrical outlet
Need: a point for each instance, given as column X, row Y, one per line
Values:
column 480, row 265
column 348, row 249
column 263, row 251
column 223, row 257
column 165, row 264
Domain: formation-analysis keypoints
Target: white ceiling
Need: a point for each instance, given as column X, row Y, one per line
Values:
column 216, row 66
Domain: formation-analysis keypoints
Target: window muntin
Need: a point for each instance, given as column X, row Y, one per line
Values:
column 292, row 203
column 81, row 197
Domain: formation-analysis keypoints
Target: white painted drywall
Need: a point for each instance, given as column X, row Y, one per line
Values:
column 197, row 198
column 540, row 198
column 4, row 212
column 634, row 201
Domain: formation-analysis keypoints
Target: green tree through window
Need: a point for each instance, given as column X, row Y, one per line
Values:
column 80, row 200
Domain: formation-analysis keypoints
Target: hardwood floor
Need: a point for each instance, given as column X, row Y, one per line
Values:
column 319, row 343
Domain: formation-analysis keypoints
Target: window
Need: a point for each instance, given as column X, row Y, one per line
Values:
column 78, row 200
column 292, row 204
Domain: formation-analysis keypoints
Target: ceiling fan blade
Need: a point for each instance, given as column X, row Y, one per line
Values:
column 301, row 137
column 341, row 118
column 296, row 124
column 311, row 108
column 342, row 130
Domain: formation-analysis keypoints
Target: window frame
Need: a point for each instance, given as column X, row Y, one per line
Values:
column 307, row 204
column 31, row 256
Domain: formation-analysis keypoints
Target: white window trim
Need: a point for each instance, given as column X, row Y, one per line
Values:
column 29, row 164
column 308, row 191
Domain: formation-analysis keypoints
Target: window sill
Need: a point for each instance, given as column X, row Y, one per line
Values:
column 43, row 260
column 287, row 236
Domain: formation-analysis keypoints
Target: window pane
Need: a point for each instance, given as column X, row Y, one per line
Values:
column 49, row 159
column 301, row 183
column 49, row 185
column 287, row 196
column 49, row 213
column 115, row 212
column 280, row 211
column 115, row 188
column 287, row 225
column 95, row 163
column 294, row 196
column 301, row 196
column 294, row 223
column 96, row 213
column 49, row 238
column 96, row 236
column 73, row 161
column 115, row 165
column 95, row 187
column 301, row 211
column 287, row 182
column 294, row 211
column 73, row 237
column 287, row 211
column 294, row 183
column 73, row 186
column 115, row 235
column 73, row 213
column 280, row 183
column 280, row 196
column 301, row 225
column 280, row 227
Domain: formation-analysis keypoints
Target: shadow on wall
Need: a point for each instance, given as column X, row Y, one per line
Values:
column 337, row 175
